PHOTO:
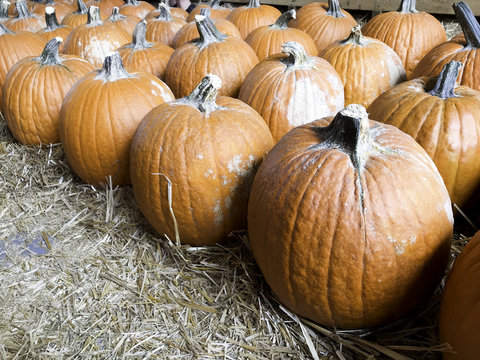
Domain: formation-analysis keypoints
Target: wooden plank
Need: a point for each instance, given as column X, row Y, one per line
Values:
column 433, row 7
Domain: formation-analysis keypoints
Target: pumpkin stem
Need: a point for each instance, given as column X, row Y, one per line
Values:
column 207, row 12
column 51, row 19
column 139, row 36
column 4, row 30
column 445, row 85
column 94, row 16
column 164, row 13
column 113, row 68
column 214, row 3
column 350, row 132
column 22, row 10
column 204, row 95
column 132, row 2
column 282, row 21
column 81, row 7
column 334, row 9
column 408, row 7
column 116, row 15
column 470, row 26
column 297, row 56
column 50, row 54
column 208, row 32
column 253, row 4
column 4, row 5
column 50, row 2
column 355, row 36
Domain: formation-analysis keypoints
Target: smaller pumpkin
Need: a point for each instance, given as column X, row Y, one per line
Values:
column 126, row 23
column 105, row 6
column 25, row 21
column 216, row 10
column 176, row 12
column 61, row 8
column 163, row 27
column 53, row 28
column 136, row 8
column 78, row 17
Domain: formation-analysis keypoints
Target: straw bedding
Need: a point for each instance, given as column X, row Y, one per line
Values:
column 83, row 276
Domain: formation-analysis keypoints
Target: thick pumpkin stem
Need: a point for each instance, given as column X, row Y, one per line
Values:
column 116, row 15
column 139, row 36
column 334, row 9
column 94, row 16
column 4, row 30
column 297, row 56
column 408, row 7
column 22, row 10
column 81, row 7
column 50, row 54
column 253, row 4
column 282, row 21
column 51, row 19
column 355, row 36
column 113, row 68
column 203, row 97
column 4, row 5
column 470, row 25
column 208, row 32
column 164, row 13
column 445, row 85
column 349, row 131
column 207, row 12
column 132, row 2
column 214, row 4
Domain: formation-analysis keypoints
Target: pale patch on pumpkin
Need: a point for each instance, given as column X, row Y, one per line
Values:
column 395, row 68
column 225, row 180
column 209, row 173
column 447, row 207
column 161, row 91
column 96, row 50
column 199, row 156
column 401, row 245
column 217, row 213
column 241, row 168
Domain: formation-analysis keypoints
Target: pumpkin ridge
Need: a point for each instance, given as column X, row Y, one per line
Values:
column 460, row 153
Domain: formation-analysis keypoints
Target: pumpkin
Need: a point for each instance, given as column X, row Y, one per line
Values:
column 34, row 90
column 142, row 55
column 444, row 119
column 216, row 10
column 136, row 8
column 16, row 46
column 105, row 6
column 53, row 28
column 459, row 310
column 176, row 12
column 366, row 66
column 126, row 23
column 349, row 221
column 95, row 39
column 268, row 40
column 409, row 32
column 463, row 49
column 25, row 21
column 219, row 142
column 62, row 9
column 99, row 116
column 189, row 31
column 163, row 27
column 292, row 89
column 228, row 57
column 248, row 18
column 324, row 22
column 78, row 17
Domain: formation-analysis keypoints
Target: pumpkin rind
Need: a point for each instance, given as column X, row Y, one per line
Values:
column 53, row 28
column 349, row 221
column 79, row 17
column 163, row 27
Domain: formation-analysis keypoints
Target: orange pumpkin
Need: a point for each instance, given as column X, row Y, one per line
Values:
column 459, row 308
column 292, row 89
column 248, row 18
column 142, row 55
column 463, row 49
column 53, row 28
column 79, row 17
column 220, row 141
column 346, row 217
column 61, row 8
column 126, row 23
column 99, row 117
column 217, row 11
column 43, row 81
column 176, row 12
column 366, row 66
column 410, row 33
column 268, row 40
column 228, row 57
column 25, row 21
column 162, row 28
column 325, row 23
column 136, row 8
column 105, row 7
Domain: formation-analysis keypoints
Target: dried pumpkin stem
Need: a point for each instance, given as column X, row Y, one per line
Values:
column 164, row 13
column 132, row 2
column 334, row 9
column 445, row 85
column 113, row 68
column 355, row 36
column 282, row 21
column 214, row 4
column 408, row 7
column 22, row 10
column 139, row 36
column 81, row 8
column 4, row 30
column 50, row 2
column 50, row 54
column 51, row 19
column 253, row 4
column 203, row 97
column 470, row 25
column 297, row 56
column 116, row 16
column 4, row 5
column 94, row 16
column 206, row 11
column 208, row 31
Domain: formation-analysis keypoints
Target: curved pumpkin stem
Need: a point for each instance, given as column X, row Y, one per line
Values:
column 116, row 16
column 297, row 56
column 408, row 7
column 204, row 95
column 253, row 4
column 282, row 21
column 206, row 11
column 164, row 13
column 334, row 9
column 50, row 54
column 22, row 10
column 94, row 16
column 445, row 85
column 208, row 31
column 4, row 30
column 355, row 36
column 81, row 7
column 139, row 36
column 4, row 5
column 51, row 19
column 470, row 26
column 113, row 68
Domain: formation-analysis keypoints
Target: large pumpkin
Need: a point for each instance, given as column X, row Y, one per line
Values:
column 99, row 116
column 366, row 66
column 228, row 57
column 445, row 120
column 193, row 161
column 25, row 21
column 163, row 27
column 53, row 28
column 350, row 221
column 409, row 32
column 459, row 320
column 34, row 90
column 78, row 17
column 462, row 49
column 292, row 89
